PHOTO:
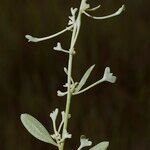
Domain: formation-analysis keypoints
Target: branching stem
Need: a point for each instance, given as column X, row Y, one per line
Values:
column 89, row 87
column 73, row 88
column 75, row 33
column 35, row 39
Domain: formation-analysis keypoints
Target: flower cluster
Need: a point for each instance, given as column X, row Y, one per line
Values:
column 58, row 136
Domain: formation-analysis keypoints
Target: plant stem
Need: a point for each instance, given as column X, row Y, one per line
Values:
column 89, row 87
column 75, row 33
column 35, row 39
column 69, row 95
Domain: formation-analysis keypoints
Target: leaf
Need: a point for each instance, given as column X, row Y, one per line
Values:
column 84, row 78
column 101, row 146
column 36, row 128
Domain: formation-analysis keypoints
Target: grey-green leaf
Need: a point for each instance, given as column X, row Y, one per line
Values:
column 36, row 128
column 101, row 146
column 84, row 78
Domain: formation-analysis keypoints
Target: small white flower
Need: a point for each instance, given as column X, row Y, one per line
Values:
column 60, row 94
column 63, row 115
column 84, row 142
column 66, row 135
column 73, row 10
column 85, row 5
column 56, row 136
column 63, row 119
column 72, row 17
column 31, row 38
column 65, row 85
column 58, row 47
column 54, row 114
column 71, row 86
column 108, row 76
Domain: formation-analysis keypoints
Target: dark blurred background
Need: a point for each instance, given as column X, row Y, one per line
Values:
column 31, row 73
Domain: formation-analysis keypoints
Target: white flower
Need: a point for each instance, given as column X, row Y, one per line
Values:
column 108, row 76
column 65, row 85
column 56, row 136
column 58, row 47
column 63, row 116
column 85, row 5
column 31, row 38
column 72, row 86
column 73, row 11
column 84, row 142
column 63, row 119
column 60, row 94
column 72, row 17
column 66, row 135
column 54, row 114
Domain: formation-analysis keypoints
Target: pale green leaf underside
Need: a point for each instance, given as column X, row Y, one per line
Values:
column 101, row 146
column 84, row 78
column 36, row 129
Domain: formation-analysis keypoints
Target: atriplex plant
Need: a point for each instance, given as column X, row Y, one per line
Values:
column 73, row 88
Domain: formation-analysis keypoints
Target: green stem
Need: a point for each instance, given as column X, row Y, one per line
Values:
column 69, row 95
column 75, row 33
column 89, row 87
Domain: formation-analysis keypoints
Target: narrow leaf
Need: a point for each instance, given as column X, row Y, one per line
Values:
column 101, row 146
column 66, row 71
column 36, row 128
column 84, row 78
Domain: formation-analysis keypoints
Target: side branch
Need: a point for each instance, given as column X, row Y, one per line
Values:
column 118, row 12
column 35, row 39
column 89, row 87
